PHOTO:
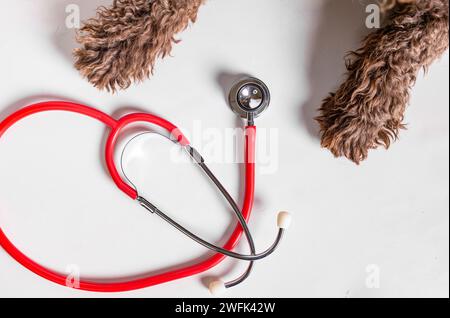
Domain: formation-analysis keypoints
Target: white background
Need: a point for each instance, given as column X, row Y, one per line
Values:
column 58, row 204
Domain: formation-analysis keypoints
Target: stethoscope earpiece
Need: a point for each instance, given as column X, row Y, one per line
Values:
column 284, row 220
column 217, row 287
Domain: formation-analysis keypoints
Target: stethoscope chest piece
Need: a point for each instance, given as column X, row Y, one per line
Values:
column 249, row 98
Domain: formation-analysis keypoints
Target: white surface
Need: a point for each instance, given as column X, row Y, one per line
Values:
column 388, row 216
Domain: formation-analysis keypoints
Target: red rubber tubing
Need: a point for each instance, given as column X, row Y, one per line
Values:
column 114, row 135
column 116, row 126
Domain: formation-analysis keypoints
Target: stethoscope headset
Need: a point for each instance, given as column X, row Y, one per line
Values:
column 248, row 98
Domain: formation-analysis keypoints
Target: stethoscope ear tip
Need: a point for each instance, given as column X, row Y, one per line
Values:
column 284, row 220
column 217, row 287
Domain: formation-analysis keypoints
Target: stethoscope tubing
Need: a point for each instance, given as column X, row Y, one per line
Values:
column 116, row 126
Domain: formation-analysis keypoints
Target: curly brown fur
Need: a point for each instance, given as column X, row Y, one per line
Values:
column 121, row 44
column 367, row 110
column 386, row 5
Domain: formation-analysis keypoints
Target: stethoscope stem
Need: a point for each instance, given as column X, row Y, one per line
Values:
column 238, row 214
column 215, row 248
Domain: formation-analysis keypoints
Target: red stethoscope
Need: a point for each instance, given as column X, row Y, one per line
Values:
column 249, row 97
